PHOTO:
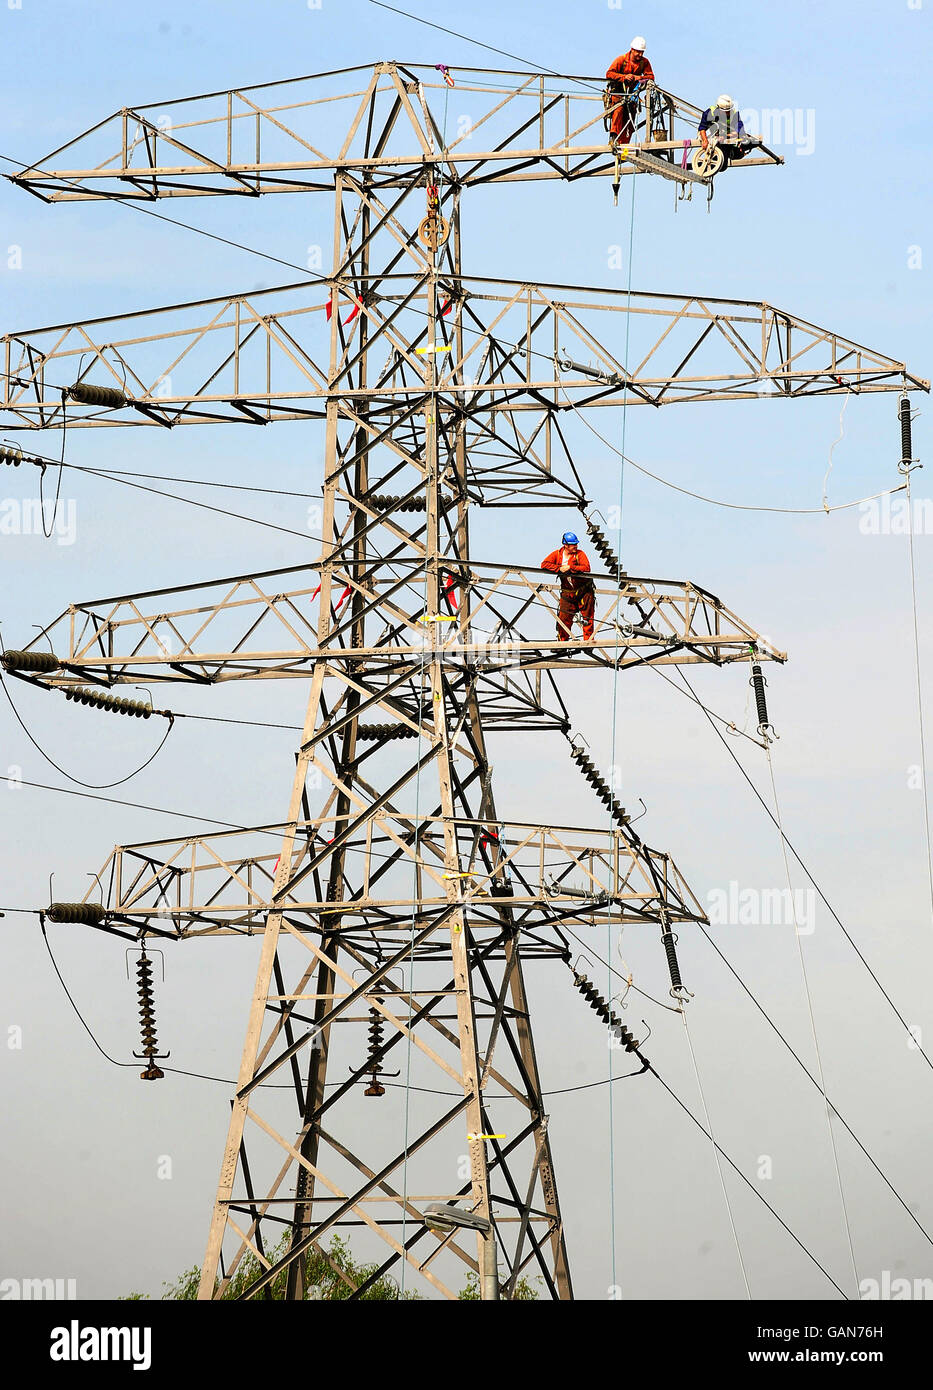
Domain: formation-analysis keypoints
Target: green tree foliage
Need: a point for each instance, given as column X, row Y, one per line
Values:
column 333, row 1275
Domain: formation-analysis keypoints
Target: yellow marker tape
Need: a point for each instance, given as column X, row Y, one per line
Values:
column 459, row 875
column 486, row 1136
column 436, row 618
column 444, row 347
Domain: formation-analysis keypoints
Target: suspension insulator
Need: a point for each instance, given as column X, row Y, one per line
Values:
column 602, row 546
column 101, row 700
column 86, row 394
column 373, row 731
column 608, row 1016
column 147, row 1024
column 11, row 454
column 30, row 661
column 758, row 683
column 89, row 914
column 670, row 950
column 376, row 1025
column 385, row 503
column 600, row 786
column 907, row 448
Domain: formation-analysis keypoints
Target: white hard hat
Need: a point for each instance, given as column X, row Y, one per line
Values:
column 724, row 101
column 639, row 43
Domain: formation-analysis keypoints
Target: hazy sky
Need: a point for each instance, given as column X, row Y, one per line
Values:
column 838, row 236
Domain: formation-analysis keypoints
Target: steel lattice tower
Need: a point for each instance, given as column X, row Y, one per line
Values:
column 397, row 896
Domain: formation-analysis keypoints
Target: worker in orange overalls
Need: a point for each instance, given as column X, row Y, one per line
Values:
column 626, row 77
column 577, row 591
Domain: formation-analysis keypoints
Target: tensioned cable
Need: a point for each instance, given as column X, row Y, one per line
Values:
column 816, row 1042
column 115, row 475
column 548, row 72
column 750, row 1185
column 810, row 1077
column 202, row 1076
column 198, row 229
column 432, row 1091
column 626, row 1076
column 205, row 506
column 96, row 786
column 162, row 217
column 715, row 501
column 709, row 1125
column 597, row 957
column 916, row 1045
column 923, row 754
column 770, row 1021
column 313, row 276
column 710, row 713
column 274, row 1086
column 191, row 482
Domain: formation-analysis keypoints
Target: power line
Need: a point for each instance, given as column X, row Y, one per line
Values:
column 97, row 786
column 715, row 501
column 548, row 72
column 751, row 1187
column 817, row 887
column 810, row 1077
column 201, row 1076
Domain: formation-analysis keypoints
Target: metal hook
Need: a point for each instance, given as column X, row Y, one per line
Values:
column 90, row 874
column 146, row 951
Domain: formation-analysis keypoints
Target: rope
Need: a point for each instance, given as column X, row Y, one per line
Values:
column 612, row 752
column 709, row 1128
column 923, row 755
column 816, row 1044
column 832, row 448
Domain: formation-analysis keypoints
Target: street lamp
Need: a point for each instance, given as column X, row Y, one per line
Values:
column 444, row 1220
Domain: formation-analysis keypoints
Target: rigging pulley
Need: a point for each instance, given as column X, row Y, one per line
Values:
column 434, row 229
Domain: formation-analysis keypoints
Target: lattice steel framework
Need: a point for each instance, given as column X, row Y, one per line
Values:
column 394, row 894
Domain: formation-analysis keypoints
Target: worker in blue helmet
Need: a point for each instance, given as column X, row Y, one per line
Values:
column 577, row 590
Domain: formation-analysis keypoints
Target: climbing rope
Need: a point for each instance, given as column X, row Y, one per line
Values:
column 612, row 751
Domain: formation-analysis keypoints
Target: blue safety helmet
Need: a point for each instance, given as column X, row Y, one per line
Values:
column 569, row 538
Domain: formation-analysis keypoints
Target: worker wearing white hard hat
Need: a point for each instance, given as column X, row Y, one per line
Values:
column 626, row 78
column 724, row 121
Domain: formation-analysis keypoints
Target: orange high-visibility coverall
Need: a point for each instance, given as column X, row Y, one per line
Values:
column 628, row 70
column 577, row 592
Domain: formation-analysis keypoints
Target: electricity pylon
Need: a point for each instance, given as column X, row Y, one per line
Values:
column 396, row 894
